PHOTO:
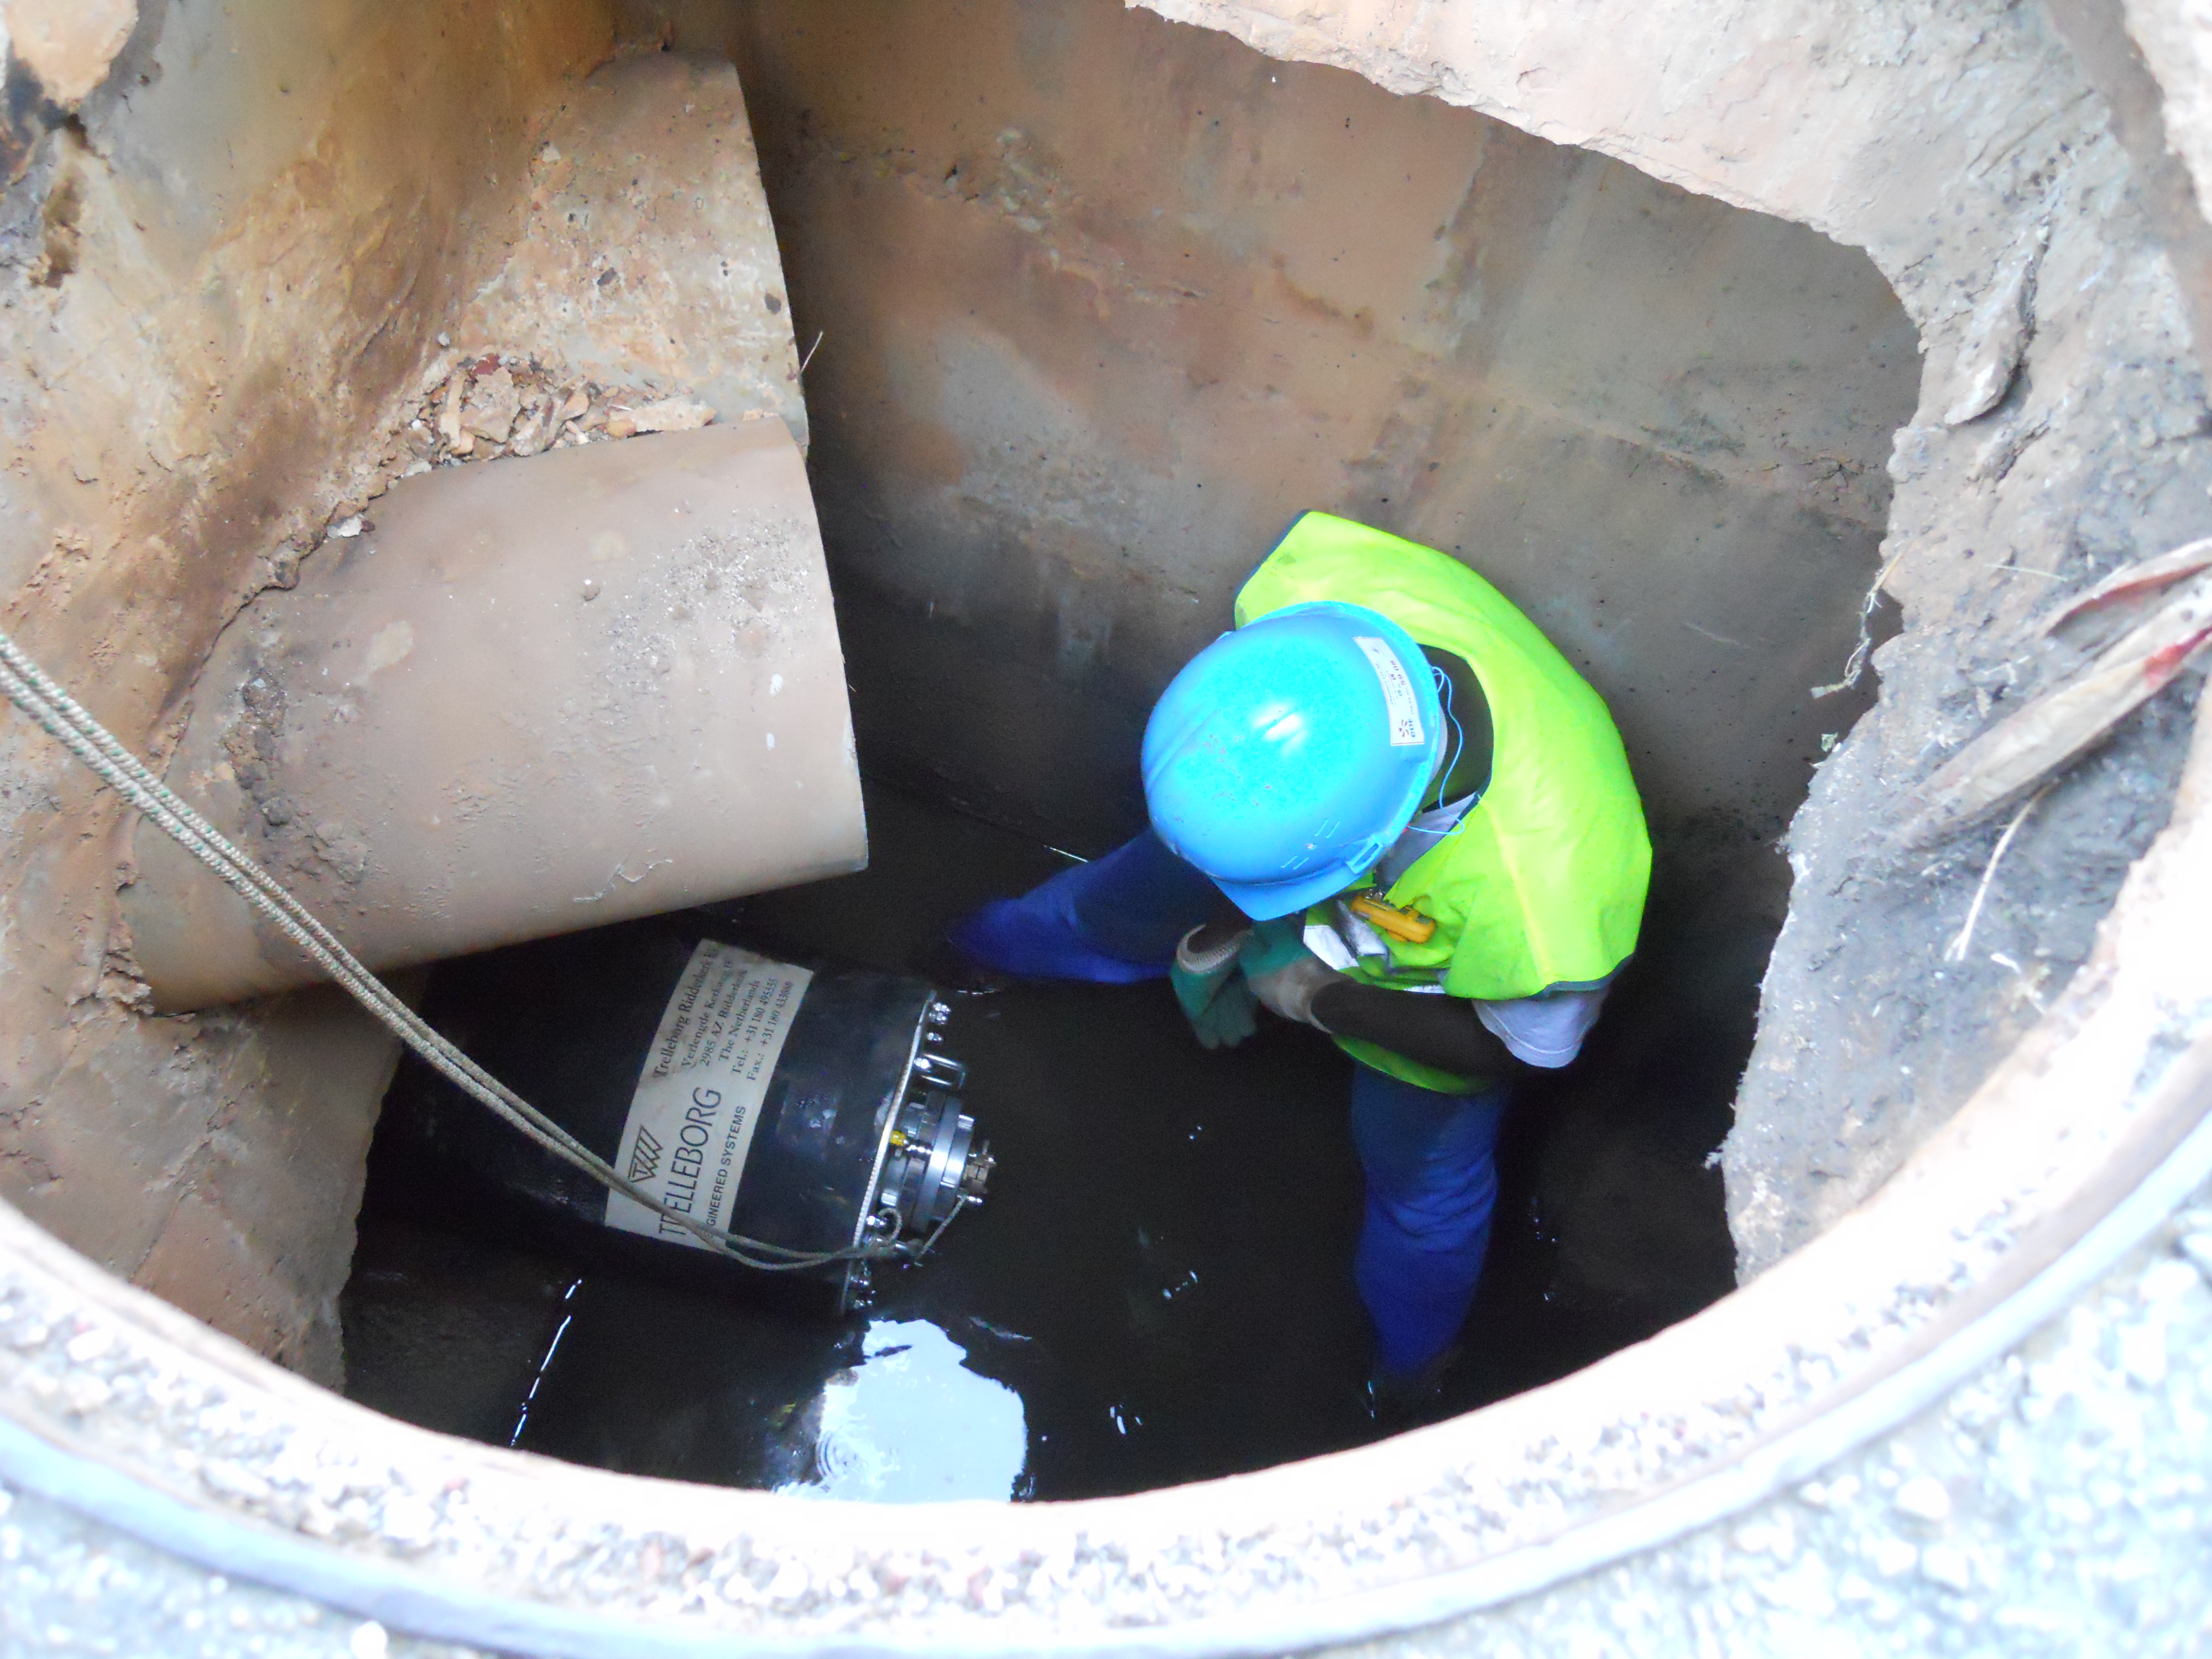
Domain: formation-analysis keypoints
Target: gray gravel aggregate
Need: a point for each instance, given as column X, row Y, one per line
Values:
column 2058, row 1503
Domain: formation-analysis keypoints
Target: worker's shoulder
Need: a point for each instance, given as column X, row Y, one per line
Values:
column 1322, row 556
column 1317, row 536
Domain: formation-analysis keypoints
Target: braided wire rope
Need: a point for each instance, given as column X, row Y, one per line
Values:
column 50, row 706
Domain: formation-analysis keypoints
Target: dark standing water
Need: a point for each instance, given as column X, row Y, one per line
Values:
column 1157, row 1291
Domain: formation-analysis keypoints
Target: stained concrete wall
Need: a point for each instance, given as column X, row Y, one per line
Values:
column 214, row 279
column 1105, row 301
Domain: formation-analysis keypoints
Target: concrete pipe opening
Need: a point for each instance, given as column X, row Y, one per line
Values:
column 1854, row 360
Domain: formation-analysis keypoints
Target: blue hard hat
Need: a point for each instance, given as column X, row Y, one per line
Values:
column 1287, row 756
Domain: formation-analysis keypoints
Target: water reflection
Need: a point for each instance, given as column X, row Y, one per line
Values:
column 911, row 1424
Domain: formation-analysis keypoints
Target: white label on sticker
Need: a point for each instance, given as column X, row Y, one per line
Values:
column 698, row 1100
column 1398, row 698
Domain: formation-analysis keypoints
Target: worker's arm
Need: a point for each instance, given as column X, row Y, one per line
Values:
column 1437, row 1030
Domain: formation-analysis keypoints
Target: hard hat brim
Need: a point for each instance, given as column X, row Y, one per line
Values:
column 1266, row 901
column 1187, row 739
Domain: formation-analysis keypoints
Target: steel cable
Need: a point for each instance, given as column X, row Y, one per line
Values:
column 64, row 719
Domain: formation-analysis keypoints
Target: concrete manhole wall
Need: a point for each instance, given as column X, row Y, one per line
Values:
column 222, row 245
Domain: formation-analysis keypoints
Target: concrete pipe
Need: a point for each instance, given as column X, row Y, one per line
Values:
column 530, row 696
column 1956, row 1401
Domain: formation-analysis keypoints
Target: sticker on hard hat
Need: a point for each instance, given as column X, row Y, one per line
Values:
column 1398, row 698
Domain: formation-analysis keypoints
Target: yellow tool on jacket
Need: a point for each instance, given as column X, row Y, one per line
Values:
column 1384, row 917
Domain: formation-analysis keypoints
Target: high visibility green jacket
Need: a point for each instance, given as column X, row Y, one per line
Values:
column 1542, row 882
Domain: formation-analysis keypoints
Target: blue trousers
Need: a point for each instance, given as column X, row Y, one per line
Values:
column 1429, row 1158
column 1431, row 1184
column 1111, row 921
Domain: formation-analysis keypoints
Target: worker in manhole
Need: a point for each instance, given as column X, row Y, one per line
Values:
column 1386, row 806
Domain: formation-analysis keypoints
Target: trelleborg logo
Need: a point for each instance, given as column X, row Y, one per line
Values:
column 645, row 1157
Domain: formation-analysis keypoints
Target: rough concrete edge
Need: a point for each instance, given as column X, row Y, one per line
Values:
column 2103, row 35
column 421, row 1605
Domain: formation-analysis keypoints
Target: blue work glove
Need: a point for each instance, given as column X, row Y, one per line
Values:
column 1283, row 974
column 1214, row 997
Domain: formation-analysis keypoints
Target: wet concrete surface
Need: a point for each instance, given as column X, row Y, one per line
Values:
column 1158, row 1290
